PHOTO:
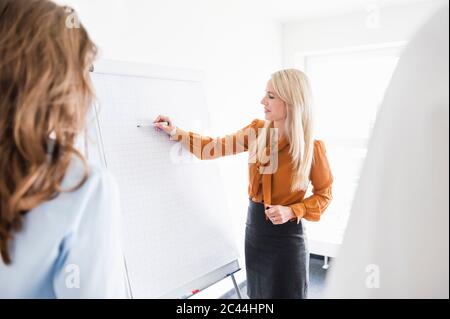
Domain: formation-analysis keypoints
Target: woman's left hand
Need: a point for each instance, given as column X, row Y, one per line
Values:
column 279, row 214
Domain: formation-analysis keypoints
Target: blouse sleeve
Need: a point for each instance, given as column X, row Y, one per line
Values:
column 206, row 148
column 311, row 208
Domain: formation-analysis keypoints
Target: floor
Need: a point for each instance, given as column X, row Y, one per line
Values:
column 317, row 277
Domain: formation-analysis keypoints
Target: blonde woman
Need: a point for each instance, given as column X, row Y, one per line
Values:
column 283, row 159
column 59, row 232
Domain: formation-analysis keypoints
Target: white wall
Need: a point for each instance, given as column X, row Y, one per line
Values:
column 396, row 24
column 236, row 51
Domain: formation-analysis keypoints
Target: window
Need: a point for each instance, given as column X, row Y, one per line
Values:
column 348, row 88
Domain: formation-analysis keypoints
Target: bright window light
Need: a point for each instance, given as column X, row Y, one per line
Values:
column 348, row 89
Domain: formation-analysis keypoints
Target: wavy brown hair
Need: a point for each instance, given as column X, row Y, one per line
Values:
column 45, row 94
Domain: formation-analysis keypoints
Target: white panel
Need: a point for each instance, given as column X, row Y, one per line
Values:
column 176, row 225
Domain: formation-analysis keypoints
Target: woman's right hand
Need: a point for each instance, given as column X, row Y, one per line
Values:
column 161, row 127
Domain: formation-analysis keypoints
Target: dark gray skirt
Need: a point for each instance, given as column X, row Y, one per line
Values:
column 276, row 257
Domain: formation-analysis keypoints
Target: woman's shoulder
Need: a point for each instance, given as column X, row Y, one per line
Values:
column 61, row 216
column 258, row 123
column 97, row 179
column 319, row 147
column 88, row 192
column 319, row 143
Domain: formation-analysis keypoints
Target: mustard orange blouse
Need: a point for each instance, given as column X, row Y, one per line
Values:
column 273, row 188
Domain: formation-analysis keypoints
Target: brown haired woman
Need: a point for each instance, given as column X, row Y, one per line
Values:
column 58, row 214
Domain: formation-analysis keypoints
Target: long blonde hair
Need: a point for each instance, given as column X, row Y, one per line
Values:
column 293, row 87
column 45, row 91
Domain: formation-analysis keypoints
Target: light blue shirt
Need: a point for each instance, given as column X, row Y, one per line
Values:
column 70, row 246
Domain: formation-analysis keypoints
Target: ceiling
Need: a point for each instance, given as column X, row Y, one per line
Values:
column 301, row 9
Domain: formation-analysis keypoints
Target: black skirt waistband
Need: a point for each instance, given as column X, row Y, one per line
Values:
column 256, row 220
